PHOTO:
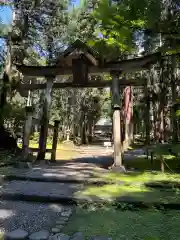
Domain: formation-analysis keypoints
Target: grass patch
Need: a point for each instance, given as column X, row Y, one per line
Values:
column 7, row 170
column 130, row 193
column 5, row 157
column 2, row 236
column 63, row 151
column 170, row 153
column 143, row 177
column 60, row 146
column 172, row 159
column 163, row 149
column 125, row 225
column 64, row 154
column 143, row 164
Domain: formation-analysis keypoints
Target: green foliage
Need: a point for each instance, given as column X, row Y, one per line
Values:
column 14, row 114
column 122, row 24
column 6, row 157
column 178, row 113
column 4, row 29
column 95, row 221
column 115, row 29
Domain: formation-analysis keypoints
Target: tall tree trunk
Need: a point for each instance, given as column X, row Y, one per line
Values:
column 3, row 97
column 147, row 113
column 90, row 126
column 174, row 98
column 161, row 104
column 83, row 127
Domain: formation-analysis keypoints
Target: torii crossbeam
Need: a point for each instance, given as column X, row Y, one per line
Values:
column 79, row 61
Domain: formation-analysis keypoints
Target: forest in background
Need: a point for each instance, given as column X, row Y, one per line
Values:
column 41, row 30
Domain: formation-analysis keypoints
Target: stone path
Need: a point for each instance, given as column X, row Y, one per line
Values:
column 40, row 189
column 22, row 221
column 35, row 221
column 58, row 189
column 95, row 151
column 80, row 169
column 20, row 234
column 69, row 171
column 32, row 217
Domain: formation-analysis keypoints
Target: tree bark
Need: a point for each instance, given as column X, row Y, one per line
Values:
column 90, row 124
column 83, row 127
column 174, row 97
column 147, row 114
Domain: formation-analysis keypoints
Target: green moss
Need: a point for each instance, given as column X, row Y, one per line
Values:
column 125, row 225
column 2, row 236
column 164, row 148
column 7, row 170
column 143, row 164
column 172, row 161
column 143, row 177
column 6, row 157
column 128, row 193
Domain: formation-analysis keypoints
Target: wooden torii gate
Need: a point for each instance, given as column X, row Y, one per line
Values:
column 79, row 61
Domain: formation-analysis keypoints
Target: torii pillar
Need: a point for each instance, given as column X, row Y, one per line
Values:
column 116, row 119
column 45, row 119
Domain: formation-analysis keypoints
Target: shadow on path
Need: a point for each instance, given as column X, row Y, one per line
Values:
column 100, row 161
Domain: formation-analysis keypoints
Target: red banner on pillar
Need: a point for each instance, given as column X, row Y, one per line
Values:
column 128, row 103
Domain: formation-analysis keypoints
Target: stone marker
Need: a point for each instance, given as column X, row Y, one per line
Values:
column 18, row 234
column 55, row 230
column 64, row 219
column 121, row 169
column 23, row 165
column 77, row 236
column 60, row 222
column 100, row 238
column 59, row 226
column 60, row 236
column 66, row 213
column 41, row 235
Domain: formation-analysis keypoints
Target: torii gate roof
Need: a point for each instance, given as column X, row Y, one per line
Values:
column 96, row 64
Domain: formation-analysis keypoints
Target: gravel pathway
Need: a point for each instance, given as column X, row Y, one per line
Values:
column 28, row 216
column 29, row 188
column 77, row 171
